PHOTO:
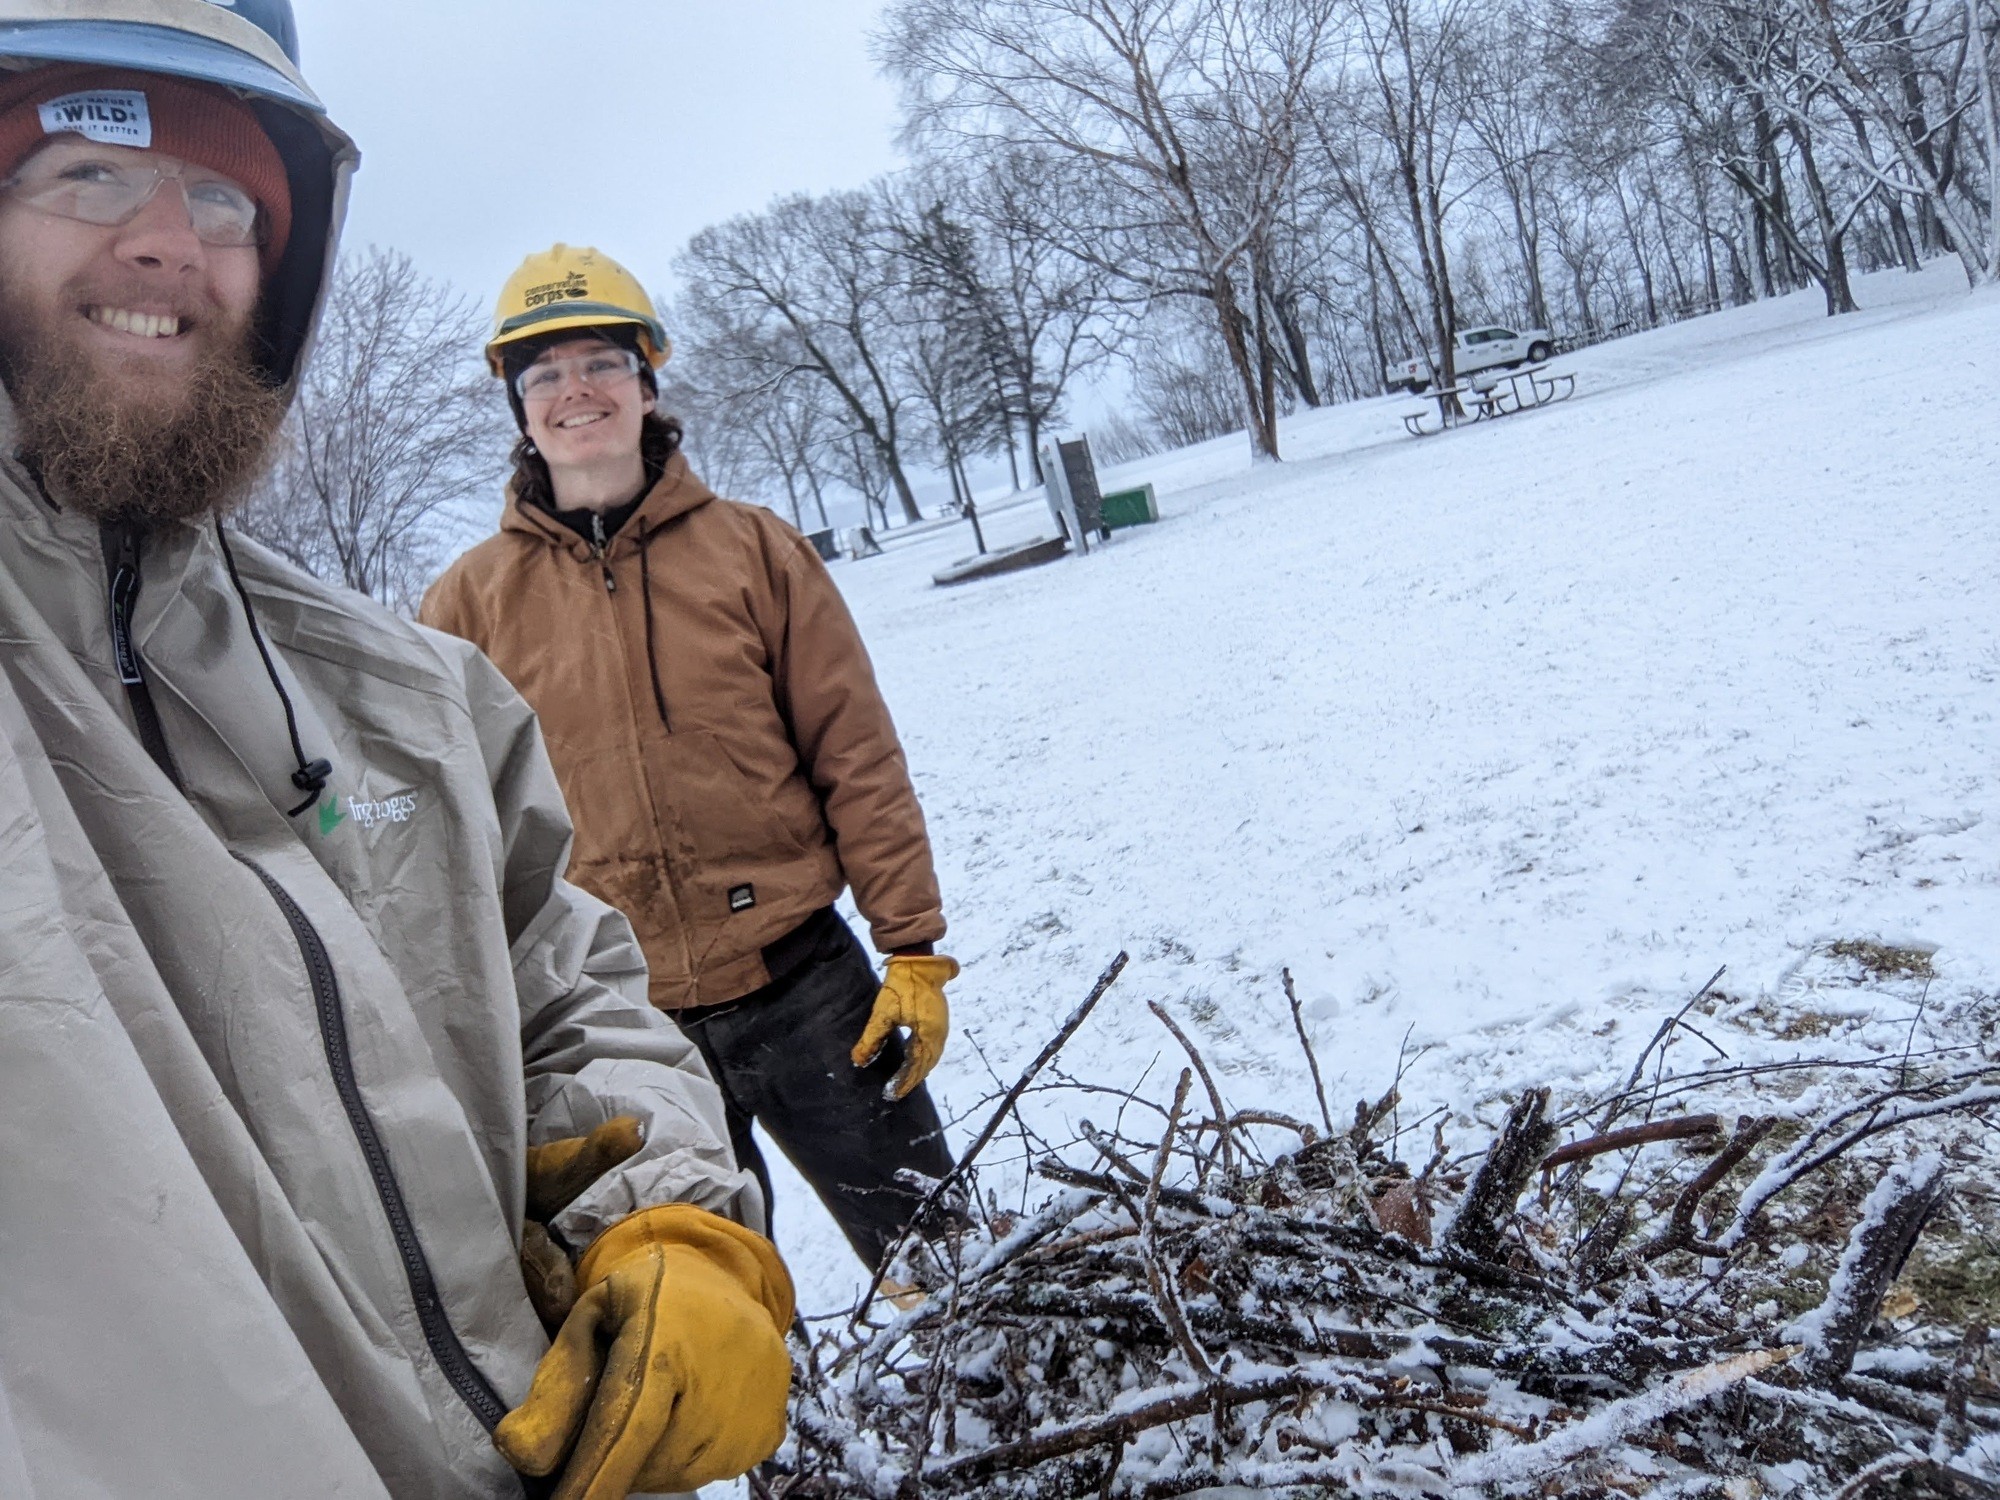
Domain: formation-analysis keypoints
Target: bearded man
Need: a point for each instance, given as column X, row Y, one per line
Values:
column 271, row 1062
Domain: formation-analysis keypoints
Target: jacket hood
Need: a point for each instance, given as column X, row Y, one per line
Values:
column 209, row 43
column 678, row 490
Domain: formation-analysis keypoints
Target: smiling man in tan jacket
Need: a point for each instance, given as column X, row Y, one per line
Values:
column 299, row 1019
column 723, row 746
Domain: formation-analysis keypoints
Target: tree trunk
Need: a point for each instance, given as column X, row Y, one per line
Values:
column 1267, row 368
column 1222, row 296
column 1441, row 319
column 1527, row 241
column 1773, row 200
column 1638, row 252
column 1900, row 236
column 1929, row 225
column 1375, row 319
column 1982, row 68
column 1760, row 244
column 905, row 496
column 1711, row 279
column 1839, row 289
column 819, row 499
column 1286, row 310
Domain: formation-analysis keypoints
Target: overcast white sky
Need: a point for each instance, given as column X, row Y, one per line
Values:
column 492, row 128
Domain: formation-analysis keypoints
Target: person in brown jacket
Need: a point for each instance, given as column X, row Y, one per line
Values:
column 725, row 752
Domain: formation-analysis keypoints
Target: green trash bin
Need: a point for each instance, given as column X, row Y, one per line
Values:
column 1134, row 507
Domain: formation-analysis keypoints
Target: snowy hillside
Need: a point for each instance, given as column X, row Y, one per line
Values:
column 1503, row 741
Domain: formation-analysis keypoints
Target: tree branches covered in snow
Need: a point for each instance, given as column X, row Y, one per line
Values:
column 1237, row 1298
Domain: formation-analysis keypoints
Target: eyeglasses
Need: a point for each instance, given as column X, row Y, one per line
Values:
column 600, row 370
column 106, row 193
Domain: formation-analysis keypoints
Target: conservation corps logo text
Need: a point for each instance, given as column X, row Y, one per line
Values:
column 571, row 288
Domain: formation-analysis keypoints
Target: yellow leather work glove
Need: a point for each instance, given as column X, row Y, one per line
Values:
column 672, row 1372
column 912, row 997
column 558, row 1173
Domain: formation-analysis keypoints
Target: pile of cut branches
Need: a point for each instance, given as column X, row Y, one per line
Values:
column 1232, row 1298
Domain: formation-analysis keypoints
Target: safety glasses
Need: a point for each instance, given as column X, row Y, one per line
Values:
column 95, row 191
column 599, row 370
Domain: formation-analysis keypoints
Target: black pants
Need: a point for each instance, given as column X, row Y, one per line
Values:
column 780, row 1057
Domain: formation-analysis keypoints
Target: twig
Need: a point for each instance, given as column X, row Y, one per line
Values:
column 1613, row 1421
column 1679, row 1233
column 1798, row 1161
column 1105, row 1235
column 1305, row 1132
column 1367, row 1116
column 1208, row 1082
column 1165, row 1293
column 1111, row 1466
column 1954, row 1430
column 1639, row 1067
column 1885, row 1467
column 1057, row 1170
column 1459, row 1414
column 1686, row 1127
column 1108, row 1149
column 992, row 1128
column 1312, row 1061
column 1751, row 1072
column 1911, row 1040
column 1097, row 1432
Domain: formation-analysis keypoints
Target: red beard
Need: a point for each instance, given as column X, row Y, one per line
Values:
column 106, row 446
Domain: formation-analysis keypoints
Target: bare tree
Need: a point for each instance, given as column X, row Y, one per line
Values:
column 748, row 436
column 1189, row 110
column 994, row 238
column 396, row 426
column 810, row 288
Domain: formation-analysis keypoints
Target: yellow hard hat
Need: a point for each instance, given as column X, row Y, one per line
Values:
column 573, row 287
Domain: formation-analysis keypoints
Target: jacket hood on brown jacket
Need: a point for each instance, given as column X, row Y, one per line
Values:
column 716, row 725
column 676, row 492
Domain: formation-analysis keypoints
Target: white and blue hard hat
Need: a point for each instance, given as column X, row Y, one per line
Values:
column 251, row 48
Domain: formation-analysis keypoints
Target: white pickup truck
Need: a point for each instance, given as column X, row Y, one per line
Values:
column 1474, row 349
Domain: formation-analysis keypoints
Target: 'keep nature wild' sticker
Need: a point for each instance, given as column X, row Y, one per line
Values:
column 112, row 117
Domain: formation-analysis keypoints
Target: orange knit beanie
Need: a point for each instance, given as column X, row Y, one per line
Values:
column 200, row 124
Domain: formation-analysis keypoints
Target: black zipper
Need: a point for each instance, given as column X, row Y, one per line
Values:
column 121, row 540
column 599, row 545
column 472, row 1387
column 652, row 652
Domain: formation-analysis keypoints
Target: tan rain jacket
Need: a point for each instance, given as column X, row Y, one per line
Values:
column 266, row 1082
column 714, row 720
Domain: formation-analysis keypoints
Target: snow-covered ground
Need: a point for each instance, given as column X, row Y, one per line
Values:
column 1502, row 741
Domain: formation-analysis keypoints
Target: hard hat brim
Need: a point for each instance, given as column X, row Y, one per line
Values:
column 153, row 49
column 578, row 315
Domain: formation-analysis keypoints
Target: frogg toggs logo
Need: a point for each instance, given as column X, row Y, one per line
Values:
column 398, row 807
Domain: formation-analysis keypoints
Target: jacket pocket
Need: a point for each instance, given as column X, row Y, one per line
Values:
column 728, row 819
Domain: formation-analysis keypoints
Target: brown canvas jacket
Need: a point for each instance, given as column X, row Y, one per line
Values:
column 715, row 724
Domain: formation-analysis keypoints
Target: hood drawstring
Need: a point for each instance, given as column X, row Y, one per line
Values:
column 311, row 776
column 652, row 657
